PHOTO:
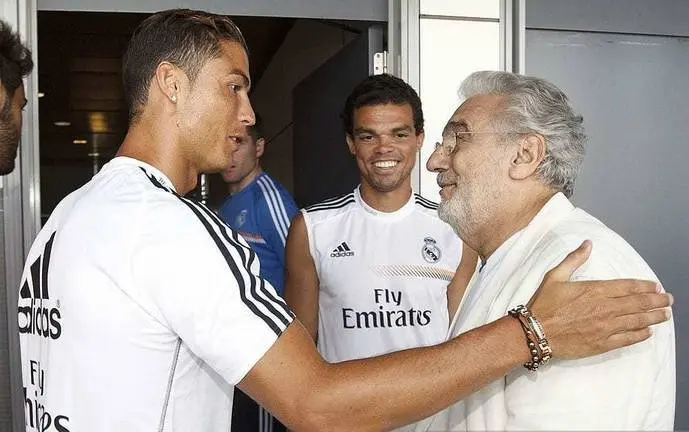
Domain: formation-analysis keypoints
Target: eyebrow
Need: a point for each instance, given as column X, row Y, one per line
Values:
column 404, row 128
column 364, row 130
column 456, row 126
column 245, row 78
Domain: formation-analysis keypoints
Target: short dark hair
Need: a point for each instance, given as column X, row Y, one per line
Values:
column 379, row 90
column 15, row 62
column 183, row 37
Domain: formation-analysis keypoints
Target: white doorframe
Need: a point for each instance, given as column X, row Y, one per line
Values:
column 404, row 47
column 403, row 55
column 21, row 198
column 512, row 35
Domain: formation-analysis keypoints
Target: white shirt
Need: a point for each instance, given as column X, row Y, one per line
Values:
column 151, row 310
column 627, row 389
column 383, row 276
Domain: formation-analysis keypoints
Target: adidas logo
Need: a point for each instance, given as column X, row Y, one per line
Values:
column 36, row 317
column 342, row 251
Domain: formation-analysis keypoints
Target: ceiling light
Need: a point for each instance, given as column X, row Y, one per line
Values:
column 98, row 122
column 79, row 141
column 40, row 94
column 62, row 123
column 94, row 154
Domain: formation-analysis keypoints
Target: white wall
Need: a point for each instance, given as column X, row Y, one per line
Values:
column 652, row 17
column 625, row 70
column 308, row 45
column 456, row 39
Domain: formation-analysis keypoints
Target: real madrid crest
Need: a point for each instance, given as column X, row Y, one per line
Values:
column 240, row 219
column 430, row 252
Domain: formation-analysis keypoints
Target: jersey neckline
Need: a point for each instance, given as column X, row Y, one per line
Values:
column 402, row 212
column 126, row 160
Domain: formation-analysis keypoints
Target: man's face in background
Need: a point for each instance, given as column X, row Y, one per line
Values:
column 10, row 128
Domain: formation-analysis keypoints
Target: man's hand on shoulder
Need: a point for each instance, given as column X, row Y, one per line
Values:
column 585, row 318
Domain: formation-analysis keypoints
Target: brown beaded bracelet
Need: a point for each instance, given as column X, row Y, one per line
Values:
column 535, row 337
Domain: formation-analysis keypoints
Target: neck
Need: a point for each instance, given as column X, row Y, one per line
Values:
column 386, row 201
column 151, row 144
column 233, row 188
column 508, row 220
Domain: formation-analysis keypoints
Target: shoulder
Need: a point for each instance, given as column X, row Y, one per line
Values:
column 425, row 203
column 330, row 208
column 424, row 206
column 271, row 189
column 177, row 222
column 611, row 256
column 127, row 195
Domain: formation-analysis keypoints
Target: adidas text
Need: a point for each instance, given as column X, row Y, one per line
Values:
column 38, row 320
column 342, row 254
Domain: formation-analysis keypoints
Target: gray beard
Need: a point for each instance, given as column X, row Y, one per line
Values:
column 454, row 214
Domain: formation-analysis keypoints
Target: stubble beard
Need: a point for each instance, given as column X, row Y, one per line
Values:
column 9, row 141
column 383, row 184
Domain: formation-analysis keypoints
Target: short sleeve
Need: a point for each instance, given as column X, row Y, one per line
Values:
column 201, row 279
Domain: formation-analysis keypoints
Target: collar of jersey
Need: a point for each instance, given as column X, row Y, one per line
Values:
column 150, row 169
column 407, row 208
column 248, row 187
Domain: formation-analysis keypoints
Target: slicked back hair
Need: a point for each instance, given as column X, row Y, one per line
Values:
column 183, row 37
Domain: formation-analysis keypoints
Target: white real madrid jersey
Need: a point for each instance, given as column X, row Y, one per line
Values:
column 139, row 310
column 383, row 276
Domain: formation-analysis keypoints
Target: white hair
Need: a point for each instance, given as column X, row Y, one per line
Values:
column 535, row 105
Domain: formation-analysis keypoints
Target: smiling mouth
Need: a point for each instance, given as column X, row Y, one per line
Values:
column 385, row 164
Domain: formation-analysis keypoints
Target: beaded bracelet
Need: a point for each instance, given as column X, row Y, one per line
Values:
column 535, row 337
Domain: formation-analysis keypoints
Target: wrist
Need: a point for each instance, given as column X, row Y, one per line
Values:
column 519, row 350
column 535, row 338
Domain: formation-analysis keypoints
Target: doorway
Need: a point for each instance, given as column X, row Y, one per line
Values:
column 83, row 117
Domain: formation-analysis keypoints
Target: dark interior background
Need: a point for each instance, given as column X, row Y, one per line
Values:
column 80, row 79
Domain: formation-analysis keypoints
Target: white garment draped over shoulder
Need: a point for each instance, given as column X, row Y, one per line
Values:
column 627, row 389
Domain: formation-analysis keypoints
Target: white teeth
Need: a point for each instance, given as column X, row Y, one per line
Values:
column 385, row 164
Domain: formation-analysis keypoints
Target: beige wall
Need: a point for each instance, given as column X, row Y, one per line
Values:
column 308, row 45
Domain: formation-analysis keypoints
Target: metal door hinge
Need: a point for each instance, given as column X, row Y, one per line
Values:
column 380, row 63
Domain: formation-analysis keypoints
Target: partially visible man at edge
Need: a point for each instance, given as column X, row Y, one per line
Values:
column 15, row 63
column 144, row 335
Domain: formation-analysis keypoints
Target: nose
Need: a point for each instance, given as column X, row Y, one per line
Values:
column 246, row 112
column 384, row 145
column 438, row 161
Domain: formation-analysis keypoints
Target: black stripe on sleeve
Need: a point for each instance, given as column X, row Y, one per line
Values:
column 276, row 320
column 270, row 299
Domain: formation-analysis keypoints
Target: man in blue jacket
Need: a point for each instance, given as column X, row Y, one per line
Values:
column 261, row 210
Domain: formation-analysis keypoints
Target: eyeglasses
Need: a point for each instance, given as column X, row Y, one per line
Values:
column 457, row 134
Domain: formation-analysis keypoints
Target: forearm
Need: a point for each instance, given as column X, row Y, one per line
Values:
column 404, row 387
